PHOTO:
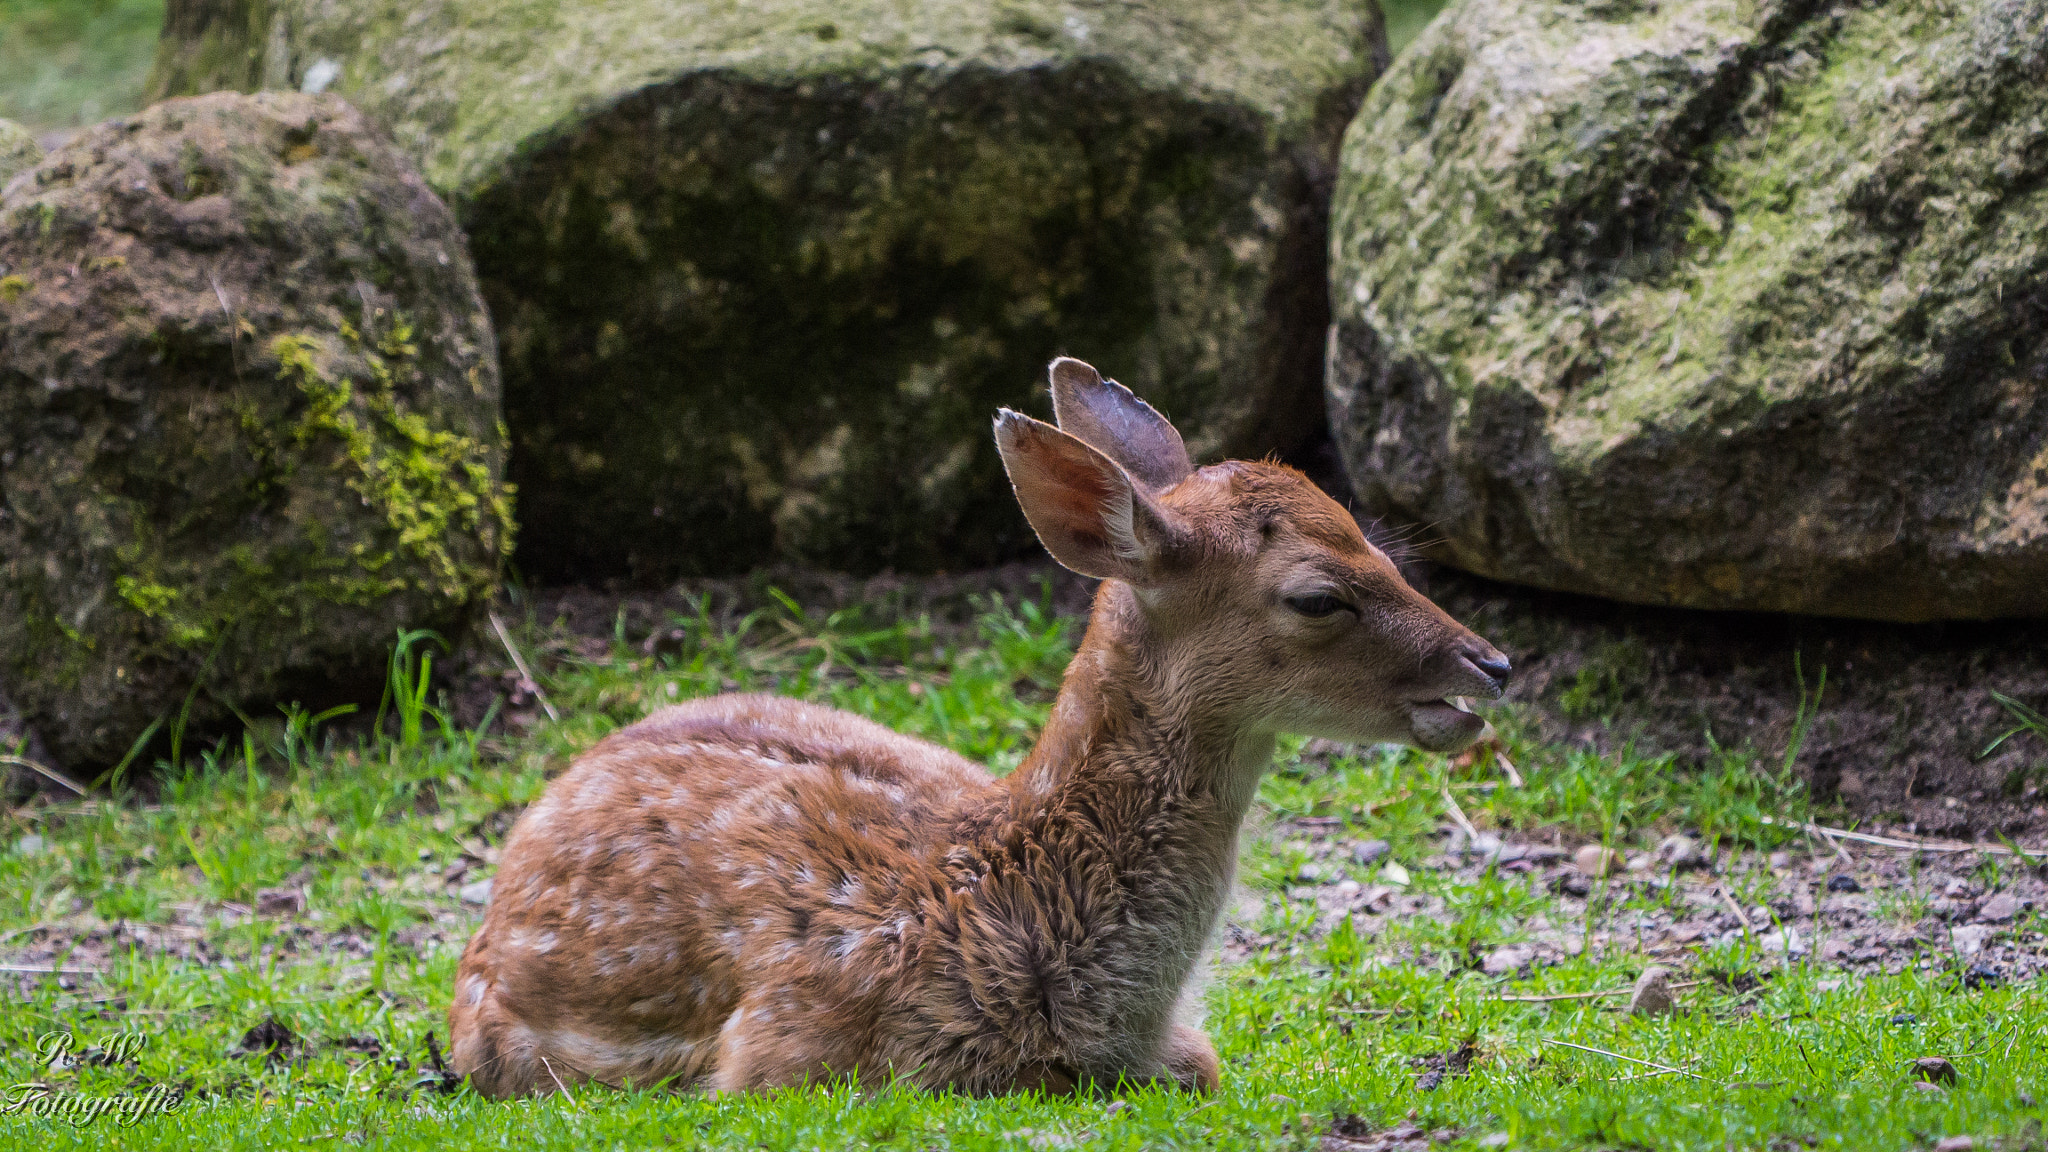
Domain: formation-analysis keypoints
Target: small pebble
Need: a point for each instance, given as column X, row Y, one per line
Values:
column 280, row 901
column 1955, row 1144
column 1934, row 1070
column 1843, row 882
column 1781, row 859
column 1593, row 860
column 29, row 845
column 477, row 892
column 1999, row 908
column 1370, row 851
column 1682, row 854
column 1652, row 993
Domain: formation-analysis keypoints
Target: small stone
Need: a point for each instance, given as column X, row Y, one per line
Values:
column 1999, row 909
column 1843, row 882
column 1593, row 860
column 1349, row 889
column 1905, row 1019
column 1502, row 961
column 1781, row 860
column 1983, row 976
column 1370, row 851
column 280, row 901
column 1934, row 1070
column 1497, row 1140
column 477, row 892
column 1486, row 845
column 1682, row 854
column 1652, row 993
column 1955, row 1144
column 1310, row 874
column 1640, row 862
column 28, row 845
column 1785, row 941
column 1970, row 939
column 1575, row 885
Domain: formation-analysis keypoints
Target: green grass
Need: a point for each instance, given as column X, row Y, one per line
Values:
column 67, row 63
column 1320, row 1020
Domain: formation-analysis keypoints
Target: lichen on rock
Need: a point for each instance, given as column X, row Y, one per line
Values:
column 249, row 419
column 761, row 273
column 1718, row 304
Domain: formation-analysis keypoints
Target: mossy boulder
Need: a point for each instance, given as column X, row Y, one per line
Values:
column 249, row 418
column 18, row 151
column 762, row 272
column 1718, row 304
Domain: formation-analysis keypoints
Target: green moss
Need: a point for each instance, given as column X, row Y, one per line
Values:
column 1706, row 303
column 12, row 288
column 150, row 599
column 427, row 483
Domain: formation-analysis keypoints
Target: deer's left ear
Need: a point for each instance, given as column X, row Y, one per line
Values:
column 1086, row 510
column 1110, row 418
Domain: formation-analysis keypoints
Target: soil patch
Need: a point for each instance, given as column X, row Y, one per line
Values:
column 1898, row 735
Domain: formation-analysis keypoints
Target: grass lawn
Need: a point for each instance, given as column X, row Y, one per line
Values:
column 68, row 63
column 1359, row 1000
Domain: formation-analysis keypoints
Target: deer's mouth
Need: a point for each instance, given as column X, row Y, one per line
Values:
column 1443, row 725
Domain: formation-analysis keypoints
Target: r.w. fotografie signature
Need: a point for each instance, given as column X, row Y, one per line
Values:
column 53, row 1050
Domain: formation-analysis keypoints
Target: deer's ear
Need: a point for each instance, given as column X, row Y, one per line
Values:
column 1110, row 418
column 1086, row 510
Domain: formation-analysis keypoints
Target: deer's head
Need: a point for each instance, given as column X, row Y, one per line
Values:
column 1256, row 592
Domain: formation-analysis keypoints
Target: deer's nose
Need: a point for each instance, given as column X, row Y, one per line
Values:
column 1490, row 664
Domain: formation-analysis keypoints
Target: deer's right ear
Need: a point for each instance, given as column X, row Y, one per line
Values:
column 1086, row 510
column 1110, row 418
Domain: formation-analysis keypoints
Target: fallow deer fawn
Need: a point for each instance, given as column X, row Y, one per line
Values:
column 748, row 891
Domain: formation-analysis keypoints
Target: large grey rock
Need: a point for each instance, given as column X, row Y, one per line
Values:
column 761, row 272
column 1718, row 304
column 248, row 419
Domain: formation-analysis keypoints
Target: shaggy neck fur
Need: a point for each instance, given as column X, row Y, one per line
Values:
column 1134, row 796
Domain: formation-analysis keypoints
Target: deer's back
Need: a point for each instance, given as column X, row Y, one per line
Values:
column 688, row 853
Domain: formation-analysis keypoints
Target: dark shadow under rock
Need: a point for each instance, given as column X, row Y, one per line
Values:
column 1898, row 735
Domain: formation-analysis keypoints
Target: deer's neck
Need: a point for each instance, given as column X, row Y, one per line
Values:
column 1140, row 769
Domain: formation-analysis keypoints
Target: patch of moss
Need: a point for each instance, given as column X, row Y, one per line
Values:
column 426, row 482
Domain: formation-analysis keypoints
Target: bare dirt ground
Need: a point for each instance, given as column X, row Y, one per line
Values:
column 1898, row 735
column 1860, row 911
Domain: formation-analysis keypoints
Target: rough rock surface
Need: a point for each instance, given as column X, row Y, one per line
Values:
column 762, row 273
column 248, row 418
column 1714, row 304
column 18, row 151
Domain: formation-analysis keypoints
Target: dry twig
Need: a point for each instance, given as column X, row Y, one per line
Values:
column 1912, row 845
column 46, row 773
column 525, row 674
column 1591, row 995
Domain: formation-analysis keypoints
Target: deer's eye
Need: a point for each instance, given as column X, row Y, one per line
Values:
column 1319, row 604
